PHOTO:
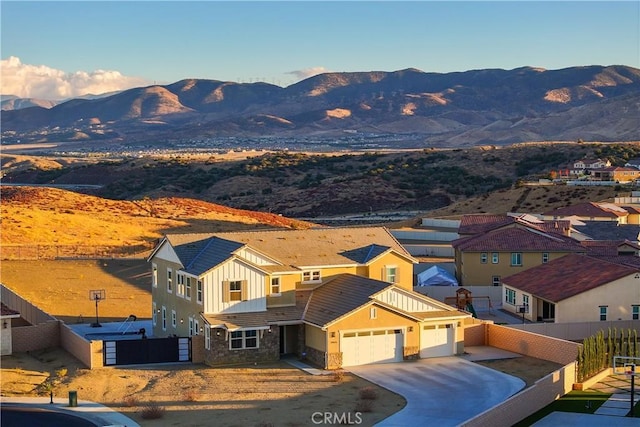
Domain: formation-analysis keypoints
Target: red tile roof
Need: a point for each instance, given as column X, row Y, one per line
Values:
column 587, row 209
column 518, row 239
column 474, row 224
column 567, row 276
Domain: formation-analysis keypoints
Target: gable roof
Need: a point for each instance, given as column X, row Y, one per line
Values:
column 481, row 223
column 347, row 293
column 588, row 209
column 520, row 239
column 199, row 253
column 567, row 276
column 339, row 297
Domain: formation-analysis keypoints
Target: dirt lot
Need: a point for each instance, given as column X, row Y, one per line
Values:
column 195, row 395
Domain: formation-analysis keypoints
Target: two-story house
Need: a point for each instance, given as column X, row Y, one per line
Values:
column 337, row 296
column 585, row 166
column 490, row 253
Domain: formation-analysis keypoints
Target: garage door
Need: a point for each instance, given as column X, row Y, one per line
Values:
column 437, row 340
column 360, row 348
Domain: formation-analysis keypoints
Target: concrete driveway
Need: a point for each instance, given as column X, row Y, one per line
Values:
column 444, row 391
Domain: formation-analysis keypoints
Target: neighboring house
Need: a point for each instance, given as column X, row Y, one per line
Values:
column 575, row 288
column 589, row 211
column 633, row 163
column 259, row 294
column 483, row 258
column 616, row 174
column 609, row 230
column 582, row 166
column 481, row 223
column 6, row 314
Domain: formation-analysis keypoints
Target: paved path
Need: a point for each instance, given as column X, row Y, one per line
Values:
column 443, row 391
column 97, row 413
column 619, row 404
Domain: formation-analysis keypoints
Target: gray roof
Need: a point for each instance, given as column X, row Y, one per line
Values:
column 340, row 296
column 199, row 253
column 609, row 230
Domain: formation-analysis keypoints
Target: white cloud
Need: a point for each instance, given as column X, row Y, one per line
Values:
column 42, row 82
column 307, row 72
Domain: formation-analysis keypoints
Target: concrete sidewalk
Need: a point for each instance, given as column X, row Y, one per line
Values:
column 94, row 412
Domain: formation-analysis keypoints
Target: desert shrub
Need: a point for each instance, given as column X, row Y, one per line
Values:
column 368, row 393
column 364, row 406
column 61, row 373
column 130, row 401
column 152, row 411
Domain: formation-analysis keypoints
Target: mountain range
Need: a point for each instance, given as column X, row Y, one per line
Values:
column 490, row 106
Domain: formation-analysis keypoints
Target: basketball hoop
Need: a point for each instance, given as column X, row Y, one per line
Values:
column 97, row 295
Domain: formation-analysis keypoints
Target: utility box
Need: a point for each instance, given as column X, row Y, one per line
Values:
column 73, row 398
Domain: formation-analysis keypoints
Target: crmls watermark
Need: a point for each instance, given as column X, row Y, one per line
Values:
column 335, row 418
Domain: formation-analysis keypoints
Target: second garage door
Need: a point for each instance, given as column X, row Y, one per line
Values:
column 437, row 341
column 360, row 348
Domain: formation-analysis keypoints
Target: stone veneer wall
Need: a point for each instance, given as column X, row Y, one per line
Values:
column 315, row 357
column 268, row 350
column 197, row 349
column 334, row 360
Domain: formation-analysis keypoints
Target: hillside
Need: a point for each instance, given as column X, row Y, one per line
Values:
column 308, row 185
column 490, row 106
column 48, row 216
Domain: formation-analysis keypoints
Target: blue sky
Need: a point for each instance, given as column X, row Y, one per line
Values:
column 91, row 45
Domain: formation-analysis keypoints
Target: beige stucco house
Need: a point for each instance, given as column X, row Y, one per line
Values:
column 575, row 288
column 254, row 294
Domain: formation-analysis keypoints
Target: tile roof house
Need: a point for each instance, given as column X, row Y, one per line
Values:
column 340, row 296
column 609, row 230
column 575, row 288
column 633, row 163
column 616, row 174
column 483, row 259
column 589, row 211
column 481, row 223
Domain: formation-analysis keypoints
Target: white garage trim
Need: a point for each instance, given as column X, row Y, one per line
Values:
column 372, row 346
column 437, row 340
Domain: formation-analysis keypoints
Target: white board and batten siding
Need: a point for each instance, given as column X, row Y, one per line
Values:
column 405, row 302
column 256, row 299
column 254, row 257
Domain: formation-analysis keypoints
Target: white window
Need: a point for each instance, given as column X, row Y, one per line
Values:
column 525, row 300
column 483, row 258
column 509, row 296
column 545, row 257
column 311, row 276
column 174, row 319
column 275, row 286
column 495, row 280
column 199, row 291
column 196, row 327
column 154, row 314
column 235, row 290
column 187, row 289
column 164, row 318
column 495, row 257
column 169, row 280
column 516, row 259
column 154, row 275
column 240, row 340
column 603, row 312
column 207, row 338
column 373, row 313
column 190, row 326
column 180, row 285
column 391, row 274
column 635, row 312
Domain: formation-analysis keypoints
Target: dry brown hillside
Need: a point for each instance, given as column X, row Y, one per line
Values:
column 34, row 215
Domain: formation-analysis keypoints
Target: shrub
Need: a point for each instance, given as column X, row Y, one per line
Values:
column 368, row 393
column 61, row 373
column 152, row 411
column 364, row 406
column 130, row 401
column 191, row 395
